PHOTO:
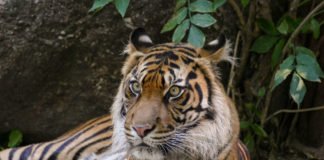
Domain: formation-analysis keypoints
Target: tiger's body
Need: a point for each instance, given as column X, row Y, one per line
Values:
column 170, row 105
column 84, row 143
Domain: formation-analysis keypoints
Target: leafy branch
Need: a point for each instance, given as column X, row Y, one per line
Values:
column 306, row 68
column 192, row 16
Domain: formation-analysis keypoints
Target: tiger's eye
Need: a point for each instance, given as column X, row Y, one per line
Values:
column 175, row 91
column 135, row 87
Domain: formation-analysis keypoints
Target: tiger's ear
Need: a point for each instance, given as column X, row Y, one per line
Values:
column 216, row 50
column 140, row 41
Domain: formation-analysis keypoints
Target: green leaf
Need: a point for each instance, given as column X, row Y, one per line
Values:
column 245, row 3
column 180, row 31
column 180, row 3
column 15, row 138
column 306, row 57
column 297, row 89
column 202, row 6
column 292, row 23
column 203, row 20
column 283, row 27
column 258, row 130
column 218, row 3
column 315, row 27
column 121, row 6
column 284, row 71
column 308, row 72
column 303, row 51
column 306, row 27
column 99, row 4
column 244, row 124
column 267, row 26
column 196, row 37
column 175, row 20
column 249, row 106
column 261, row 92
column 263, row 43
column 277, row 52
column 249, row 141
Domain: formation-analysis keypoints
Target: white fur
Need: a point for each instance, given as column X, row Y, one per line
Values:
column 119, row 146
column 145, row 38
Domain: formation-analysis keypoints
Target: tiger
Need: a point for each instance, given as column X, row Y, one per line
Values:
column 170, row 105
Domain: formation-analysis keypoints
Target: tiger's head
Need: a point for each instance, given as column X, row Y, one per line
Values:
column 171, row 105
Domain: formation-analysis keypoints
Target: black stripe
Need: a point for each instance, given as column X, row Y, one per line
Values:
column 210, row 114
column 187, row 60
column 46, row 150
column 82, row 149
column 184, row 102
column 104, row 130
column 25, row 154
column 171, row 55
column 174, row 65
column 12, row 152
column 189, row 49
column 151, row 63
column 209, row 86
column 210, row 91
column 172, row 73
column 38, row 145
column 123, row 111
column 164, row 45
column 149, row 56
column 98, row 133
column 199, row 91
column 177, row 119
column 191, row 75
column 102, row 149
column 70, row 140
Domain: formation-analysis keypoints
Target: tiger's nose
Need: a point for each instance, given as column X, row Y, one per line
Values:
column 143, row 130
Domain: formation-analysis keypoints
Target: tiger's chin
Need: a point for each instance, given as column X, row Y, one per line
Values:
column 146, row 153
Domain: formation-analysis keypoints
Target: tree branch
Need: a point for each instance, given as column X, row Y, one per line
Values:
column 232, row 74
column 300, row 26
column 237, row 11
column 294, row 111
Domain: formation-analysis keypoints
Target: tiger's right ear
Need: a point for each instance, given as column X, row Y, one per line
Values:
column 140, row 41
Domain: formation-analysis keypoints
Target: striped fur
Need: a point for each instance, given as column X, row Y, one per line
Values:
column 86, row 142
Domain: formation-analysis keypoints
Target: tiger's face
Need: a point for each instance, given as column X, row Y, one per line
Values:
column 168, row 95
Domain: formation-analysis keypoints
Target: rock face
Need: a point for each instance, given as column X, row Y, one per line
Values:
column 59, row 65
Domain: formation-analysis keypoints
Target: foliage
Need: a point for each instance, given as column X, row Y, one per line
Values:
column 301, row 63
column 290, row 61
column 121, row 5
column 253, row 131
column 189, row 17
column 192, row 16
column 14, row 139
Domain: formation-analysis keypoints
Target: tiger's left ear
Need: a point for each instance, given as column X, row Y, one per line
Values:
column 216, row 50
column 140, row 41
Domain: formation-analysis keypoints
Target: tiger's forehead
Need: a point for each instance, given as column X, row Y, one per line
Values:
column 181, row 49
column 165, row 64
